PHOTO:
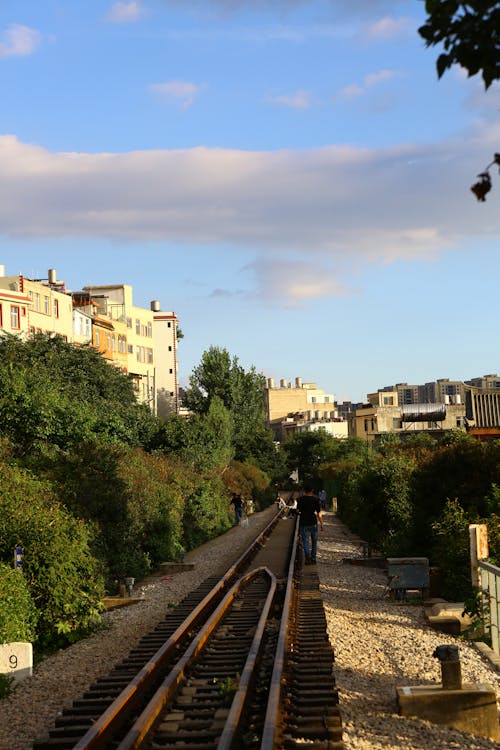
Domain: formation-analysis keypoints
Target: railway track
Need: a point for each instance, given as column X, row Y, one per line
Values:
column 242, row 662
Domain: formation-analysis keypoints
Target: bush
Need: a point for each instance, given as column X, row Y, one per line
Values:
column 451, row 551
column 61, row 574
column 18, row 615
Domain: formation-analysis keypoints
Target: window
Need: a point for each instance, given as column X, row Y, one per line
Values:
column 170, row 372
column 55, row 305
column 130, row 349
column 150, row 356
column 169, row 324
column 129, row 322
column 37, row 302
column 169, row 348
column 313, row 399
column 108, row 341
column 15, row 319
column 97, row 337
column 396, row 424
column 46, row 305
column 150, row 330
column 113, row 343
column 138, row 326
column 388, row 400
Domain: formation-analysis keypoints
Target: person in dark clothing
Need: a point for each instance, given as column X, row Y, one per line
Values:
column 237, row 504
column 309, row 509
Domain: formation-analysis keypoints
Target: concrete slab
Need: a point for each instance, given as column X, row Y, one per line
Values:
column 472, row 709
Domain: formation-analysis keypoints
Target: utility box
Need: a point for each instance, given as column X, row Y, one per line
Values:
column 408, row 573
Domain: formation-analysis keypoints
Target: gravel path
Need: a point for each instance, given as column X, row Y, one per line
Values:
column 378, row 644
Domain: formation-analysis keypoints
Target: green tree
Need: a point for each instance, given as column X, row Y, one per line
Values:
column 18, row 614
column 64, row 579
column 307, row 451
column 242, row 392
column 55, row 393
column 469, row 33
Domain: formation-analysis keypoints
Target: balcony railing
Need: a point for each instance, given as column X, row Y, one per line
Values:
column 490, row 586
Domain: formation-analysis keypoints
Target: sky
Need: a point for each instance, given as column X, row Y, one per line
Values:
column 289, row 176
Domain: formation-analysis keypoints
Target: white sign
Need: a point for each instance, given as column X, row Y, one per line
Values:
column 16, row 659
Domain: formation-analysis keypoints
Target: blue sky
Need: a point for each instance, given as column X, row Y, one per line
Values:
column 288, row 176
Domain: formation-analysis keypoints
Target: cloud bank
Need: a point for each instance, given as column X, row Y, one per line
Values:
column 327, row 206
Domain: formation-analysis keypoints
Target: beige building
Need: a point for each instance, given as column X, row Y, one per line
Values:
column 300, row 407
column 383, row 414
column 49, row 310
column 165, row 326
column 14, row 312
column 142, row 341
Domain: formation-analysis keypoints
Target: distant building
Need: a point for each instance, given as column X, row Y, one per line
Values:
column 302, row 407
column 383, row 414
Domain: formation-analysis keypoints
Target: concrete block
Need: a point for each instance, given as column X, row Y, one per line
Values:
column 16, row 659
column 471, row 709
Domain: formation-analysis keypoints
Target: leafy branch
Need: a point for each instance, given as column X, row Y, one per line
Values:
column 483, row 186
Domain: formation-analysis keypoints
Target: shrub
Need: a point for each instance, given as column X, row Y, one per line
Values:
column 61, row 574
column 451, row 550
column 18, row 615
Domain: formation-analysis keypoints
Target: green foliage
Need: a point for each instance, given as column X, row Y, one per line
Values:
column 61, row 574
column 451, row 550
column 375, row 502
column 218, row 376
column 55, row 393
column 307, row 451
column 469, row 33
column 18, row 615
column 133, row 499
column 250, row 482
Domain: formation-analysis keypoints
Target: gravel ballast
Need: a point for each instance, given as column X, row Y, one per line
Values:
column 379, row 644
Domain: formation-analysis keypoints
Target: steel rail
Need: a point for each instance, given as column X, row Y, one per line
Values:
column 272, row 722
column 112, row 718
column 146, row 721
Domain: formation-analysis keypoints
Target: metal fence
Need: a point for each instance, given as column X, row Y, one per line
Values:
column 490, row 586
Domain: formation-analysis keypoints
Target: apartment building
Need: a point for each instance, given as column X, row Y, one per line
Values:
column 142, row 342
column 14, row 308
column 165, row 326
column 49, row 309
column 383, row 414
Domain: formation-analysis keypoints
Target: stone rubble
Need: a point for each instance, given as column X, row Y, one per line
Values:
column 378, row 643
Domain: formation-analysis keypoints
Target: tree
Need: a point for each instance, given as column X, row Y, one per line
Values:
column 55, row 393
column 242, row 392
column 470, row 35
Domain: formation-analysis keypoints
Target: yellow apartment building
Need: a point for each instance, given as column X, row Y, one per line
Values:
column 49, row 308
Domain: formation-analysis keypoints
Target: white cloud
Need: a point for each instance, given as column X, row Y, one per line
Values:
column 327, row 208
column 125, row 12
column 19, row 41
column 389, row 28
column 301, row 99
column 183, row 91
column 369, row 81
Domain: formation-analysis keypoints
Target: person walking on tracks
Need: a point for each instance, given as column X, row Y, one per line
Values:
column 237, row 504
column 309, row 509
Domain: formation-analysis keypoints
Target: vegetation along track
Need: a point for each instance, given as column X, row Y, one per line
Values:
column 242, row 662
